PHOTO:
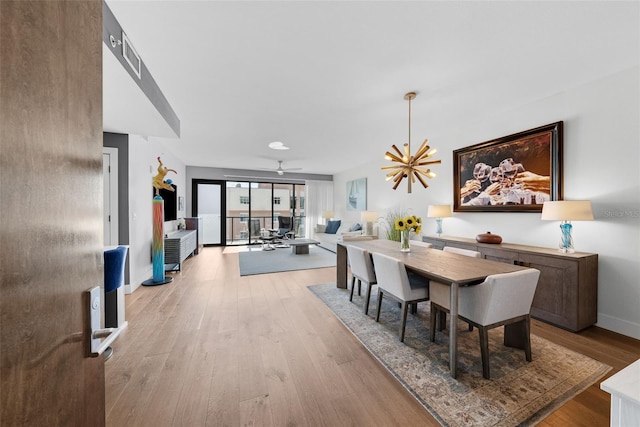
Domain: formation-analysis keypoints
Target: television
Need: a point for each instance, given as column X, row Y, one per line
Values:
column 170, row 202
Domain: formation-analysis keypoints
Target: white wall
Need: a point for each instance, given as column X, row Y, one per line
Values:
column 143, row 165
column 601, row 163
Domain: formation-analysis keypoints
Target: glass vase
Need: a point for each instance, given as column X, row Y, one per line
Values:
column 405, row 238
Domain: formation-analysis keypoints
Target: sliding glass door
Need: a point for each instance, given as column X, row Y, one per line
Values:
column 255, row 206
column 235, row 212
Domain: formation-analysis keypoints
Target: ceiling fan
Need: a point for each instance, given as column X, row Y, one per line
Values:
column 280, row 170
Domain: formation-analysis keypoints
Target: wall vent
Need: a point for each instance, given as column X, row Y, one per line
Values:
column 131, row 56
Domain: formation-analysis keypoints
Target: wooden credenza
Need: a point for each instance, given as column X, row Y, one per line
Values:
column 177, row 247
column 567, row 293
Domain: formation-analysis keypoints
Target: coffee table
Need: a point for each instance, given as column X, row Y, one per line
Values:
column 300, row 246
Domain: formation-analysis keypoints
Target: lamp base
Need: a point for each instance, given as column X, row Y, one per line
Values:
column 368, row 228
column 438, row 226
column 566, row 240
column 566, row 250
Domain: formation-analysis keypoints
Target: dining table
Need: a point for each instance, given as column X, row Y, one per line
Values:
column 445, row 267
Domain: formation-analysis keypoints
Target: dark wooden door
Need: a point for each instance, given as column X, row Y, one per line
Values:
column 50, row 210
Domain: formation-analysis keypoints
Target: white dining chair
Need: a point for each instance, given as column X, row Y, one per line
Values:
column 502, row 299
column 394, row 282
column 413, row 308
column 421, row 243
column 362, row 271
column 460, row 251
column 442, row 291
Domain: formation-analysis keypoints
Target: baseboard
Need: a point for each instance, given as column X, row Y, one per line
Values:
column 129, row 289
column 620, row 326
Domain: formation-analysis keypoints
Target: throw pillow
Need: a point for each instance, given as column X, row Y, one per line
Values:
column 332, row 227
column 320, row 228
column 356, row 227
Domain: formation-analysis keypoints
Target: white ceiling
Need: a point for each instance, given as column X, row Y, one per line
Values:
column 328, row 78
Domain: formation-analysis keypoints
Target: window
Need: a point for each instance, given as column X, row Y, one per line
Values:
column 276, row 200
column 244, row 217
column 244, row 200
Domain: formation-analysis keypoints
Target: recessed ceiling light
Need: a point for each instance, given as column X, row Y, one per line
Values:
column 277, row 145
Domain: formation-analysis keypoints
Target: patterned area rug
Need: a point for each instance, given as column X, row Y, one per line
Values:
column 518, row 393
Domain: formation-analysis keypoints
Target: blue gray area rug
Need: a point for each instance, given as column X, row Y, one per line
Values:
column 518, row 393
column 281, row 259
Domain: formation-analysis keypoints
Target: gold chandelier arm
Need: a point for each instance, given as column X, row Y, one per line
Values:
column 430, row 162
column 399, row 176
column 422, row 181
column 394, row 173
column 397, row 150
column 423, row 149
column 393, row 157
column 397, row 167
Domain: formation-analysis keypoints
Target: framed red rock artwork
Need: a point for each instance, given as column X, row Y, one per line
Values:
column 515, row 173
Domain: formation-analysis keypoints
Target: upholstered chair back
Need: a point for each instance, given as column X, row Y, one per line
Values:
column 361, row 264
column 421, row 243
column 499, row 297
column 392, row 277
column 459, row 251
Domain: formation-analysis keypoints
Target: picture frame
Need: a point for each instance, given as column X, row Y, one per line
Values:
column 357, row 195
column 514, row 173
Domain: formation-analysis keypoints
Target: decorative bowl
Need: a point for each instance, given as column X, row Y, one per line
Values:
column 488, row 238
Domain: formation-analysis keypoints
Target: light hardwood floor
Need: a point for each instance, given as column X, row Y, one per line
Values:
column 214, row 348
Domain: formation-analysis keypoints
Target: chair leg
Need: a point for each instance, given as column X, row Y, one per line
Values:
column 442, row 320
column 379, row 305
column 432, row 323
column 403, row 321
column 366, row 299
column 353, row 285
column 414, row 307
column 527, row 342
column 359, row 287
column 484, row 350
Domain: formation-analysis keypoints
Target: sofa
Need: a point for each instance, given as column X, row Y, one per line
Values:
column 335, row 231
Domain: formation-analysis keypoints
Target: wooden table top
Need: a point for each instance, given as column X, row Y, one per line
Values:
column 438, row 265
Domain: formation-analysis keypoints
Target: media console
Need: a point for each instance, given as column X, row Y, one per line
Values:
column 177, row 247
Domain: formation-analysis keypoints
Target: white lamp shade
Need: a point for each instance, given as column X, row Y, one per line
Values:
column 327, row 214
column 368, row 216
column 567, row 210
column 439, row 211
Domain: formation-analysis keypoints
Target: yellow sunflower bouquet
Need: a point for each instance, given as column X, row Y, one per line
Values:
column 405, row 226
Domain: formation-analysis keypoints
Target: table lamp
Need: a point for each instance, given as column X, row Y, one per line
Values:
column 567, row 211
column 327, row 215
column 368, row 218
column 438, row 212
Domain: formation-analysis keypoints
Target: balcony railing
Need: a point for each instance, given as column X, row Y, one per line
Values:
column 242, row 231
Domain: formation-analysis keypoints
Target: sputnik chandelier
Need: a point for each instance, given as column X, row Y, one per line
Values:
column 410, row 167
